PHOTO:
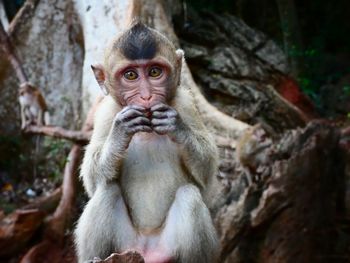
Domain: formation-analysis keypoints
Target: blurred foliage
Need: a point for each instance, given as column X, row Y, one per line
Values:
column 29, row 166
column 55, row 152
column 10, row 145
column 17, row 153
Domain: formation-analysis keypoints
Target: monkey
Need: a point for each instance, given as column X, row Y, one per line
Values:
column 33, row 106
column 150, row 160
column 252, row 150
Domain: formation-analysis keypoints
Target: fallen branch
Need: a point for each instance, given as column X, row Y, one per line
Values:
column 78, row 137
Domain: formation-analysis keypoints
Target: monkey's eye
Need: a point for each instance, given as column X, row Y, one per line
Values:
column 130, row 75
column 155, row 72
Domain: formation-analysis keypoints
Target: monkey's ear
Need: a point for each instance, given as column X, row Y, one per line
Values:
column 99, row 73
column 100, row 77
column 179, row 56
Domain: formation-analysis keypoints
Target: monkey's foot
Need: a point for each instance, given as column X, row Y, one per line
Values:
column 157, row 257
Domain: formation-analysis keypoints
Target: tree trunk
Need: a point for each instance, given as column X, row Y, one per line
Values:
column 290, row 214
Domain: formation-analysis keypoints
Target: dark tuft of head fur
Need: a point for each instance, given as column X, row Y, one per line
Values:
column 138, row 43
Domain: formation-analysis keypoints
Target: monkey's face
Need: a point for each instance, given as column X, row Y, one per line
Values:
column 143, row 82
column 141, row 67
column 26, row 89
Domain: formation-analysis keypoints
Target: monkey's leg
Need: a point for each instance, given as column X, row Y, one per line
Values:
column 25, row 116
column 30, row 117
column 105, row 226
column 189, row 232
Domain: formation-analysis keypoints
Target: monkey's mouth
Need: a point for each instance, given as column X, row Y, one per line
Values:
column 147, row 104
column 148, row 113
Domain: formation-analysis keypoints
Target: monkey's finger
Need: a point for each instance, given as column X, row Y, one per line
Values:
column 164, row 129
column 131, row 114
column 139, row 121
column 160, row 107
column 164, row 114
column 163, row 122
column 133, row 107
column 140, row 128
column 138, row 107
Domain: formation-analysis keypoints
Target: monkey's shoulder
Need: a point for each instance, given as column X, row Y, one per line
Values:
column 184, row 96
column 186, row 105
column 106, row 110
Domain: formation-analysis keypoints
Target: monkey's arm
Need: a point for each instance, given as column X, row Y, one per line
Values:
column 199, row 152
column 91, row 171
column 113, row 130
column 184, row 126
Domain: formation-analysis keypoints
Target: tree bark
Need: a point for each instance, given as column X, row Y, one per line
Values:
column 290, row 214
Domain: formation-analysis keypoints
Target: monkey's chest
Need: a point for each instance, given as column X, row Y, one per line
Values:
column 151, row 174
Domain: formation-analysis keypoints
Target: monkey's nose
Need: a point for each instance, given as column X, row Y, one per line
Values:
column 146, row 97
column 145, row 94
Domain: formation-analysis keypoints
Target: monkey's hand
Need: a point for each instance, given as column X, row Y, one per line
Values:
column 132, row 119
column 126, row 123
column 165, row 119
